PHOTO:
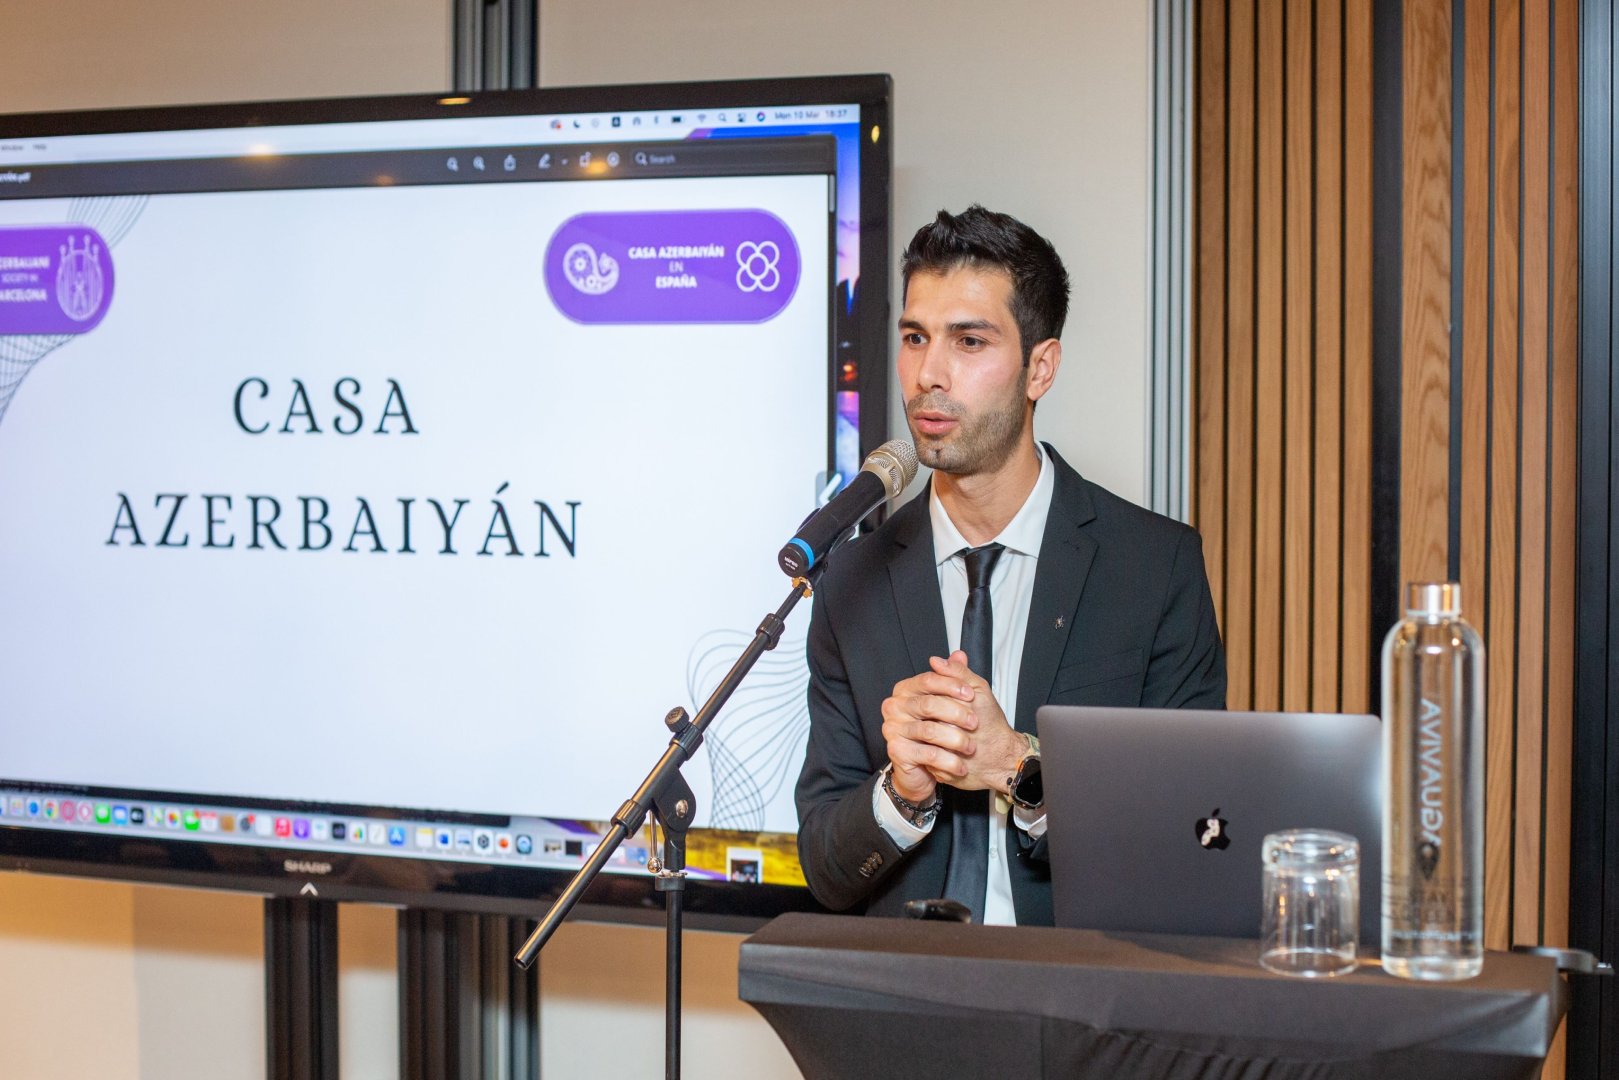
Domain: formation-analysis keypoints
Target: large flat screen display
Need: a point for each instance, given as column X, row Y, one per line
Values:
column 376, row 474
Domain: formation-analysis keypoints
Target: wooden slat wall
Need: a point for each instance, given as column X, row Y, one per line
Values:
column 1487, row 257
column 1283, row 357
column 1354, row 465
column 1424, row 253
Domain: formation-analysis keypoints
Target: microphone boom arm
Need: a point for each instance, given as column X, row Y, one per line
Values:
column 660, row 785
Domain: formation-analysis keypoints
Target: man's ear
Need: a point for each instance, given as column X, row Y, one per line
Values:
column 1044, row 360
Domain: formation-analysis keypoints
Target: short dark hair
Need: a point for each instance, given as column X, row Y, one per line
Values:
column 985, row 239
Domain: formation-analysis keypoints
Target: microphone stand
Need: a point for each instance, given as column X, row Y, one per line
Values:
column 666, row 795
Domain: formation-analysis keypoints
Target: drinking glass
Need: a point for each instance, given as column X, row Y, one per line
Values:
column 1311, row 921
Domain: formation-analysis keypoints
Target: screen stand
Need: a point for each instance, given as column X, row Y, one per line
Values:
column 464, row 1011
column 300, row 975
column 666, row 795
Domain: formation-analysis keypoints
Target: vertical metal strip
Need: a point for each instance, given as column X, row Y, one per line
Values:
column 1169, row 366
column 525, row 1005
column 1458, row 267
column 1157, row 430
column 466, row 45
column 1181, row 277
column 523, row 45
column 496, row 25
column 1594, row 892
column 465, row 1007
column 1388, row 21
column 494, row 44
column 300, row 975
column 466, row 1012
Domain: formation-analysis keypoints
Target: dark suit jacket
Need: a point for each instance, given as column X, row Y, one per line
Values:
column 1121, row 615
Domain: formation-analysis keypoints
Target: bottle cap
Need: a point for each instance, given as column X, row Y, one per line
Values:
column 1434, row 600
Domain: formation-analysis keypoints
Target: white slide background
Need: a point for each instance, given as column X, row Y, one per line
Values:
column 499, row 684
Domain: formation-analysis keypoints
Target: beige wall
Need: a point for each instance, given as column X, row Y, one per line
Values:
column 83, row 54
column 113, row 981
column 1037, row 108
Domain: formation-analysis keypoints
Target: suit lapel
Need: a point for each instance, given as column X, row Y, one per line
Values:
column 1059, row 579
column 914, row 575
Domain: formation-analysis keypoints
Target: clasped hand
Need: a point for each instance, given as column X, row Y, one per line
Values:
column 944, row 726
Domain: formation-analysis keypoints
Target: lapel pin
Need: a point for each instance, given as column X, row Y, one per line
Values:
column 1059, row 622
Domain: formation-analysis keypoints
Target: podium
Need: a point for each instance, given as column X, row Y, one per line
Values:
column 859, row 997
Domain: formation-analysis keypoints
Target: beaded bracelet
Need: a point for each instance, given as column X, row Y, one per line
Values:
column 918, row 814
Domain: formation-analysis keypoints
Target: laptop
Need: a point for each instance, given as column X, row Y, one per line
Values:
column 1156, row 816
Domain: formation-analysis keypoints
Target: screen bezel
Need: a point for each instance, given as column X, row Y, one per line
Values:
column 452, row 885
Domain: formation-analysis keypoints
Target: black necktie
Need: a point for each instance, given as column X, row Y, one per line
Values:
column 967, row 877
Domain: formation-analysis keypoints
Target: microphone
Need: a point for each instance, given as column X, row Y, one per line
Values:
column 883, row 476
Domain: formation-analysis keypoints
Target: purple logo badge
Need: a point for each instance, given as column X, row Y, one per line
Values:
column 53, row 280
column 672, row 266
column 588, row 271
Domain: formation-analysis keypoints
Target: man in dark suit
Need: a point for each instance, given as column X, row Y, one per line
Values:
column 1011, row 583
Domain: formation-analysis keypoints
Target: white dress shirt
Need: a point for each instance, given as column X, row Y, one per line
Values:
column 1011, row 588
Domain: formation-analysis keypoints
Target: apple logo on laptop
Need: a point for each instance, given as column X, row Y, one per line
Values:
column 1211, row 831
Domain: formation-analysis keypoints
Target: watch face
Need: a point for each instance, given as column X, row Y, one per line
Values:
column 1029, row 791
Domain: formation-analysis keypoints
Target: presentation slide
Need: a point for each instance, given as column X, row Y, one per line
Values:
column 433, row 496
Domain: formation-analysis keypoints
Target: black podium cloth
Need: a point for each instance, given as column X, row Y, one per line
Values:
column 861, row 997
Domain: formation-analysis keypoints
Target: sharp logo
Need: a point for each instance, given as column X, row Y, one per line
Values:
column 301, row 866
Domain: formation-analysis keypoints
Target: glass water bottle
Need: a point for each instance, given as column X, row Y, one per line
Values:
column 1433, row 816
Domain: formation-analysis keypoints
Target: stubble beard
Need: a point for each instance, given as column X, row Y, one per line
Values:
column 979, row 444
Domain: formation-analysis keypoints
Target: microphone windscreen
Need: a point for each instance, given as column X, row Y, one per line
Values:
column 894, row 462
